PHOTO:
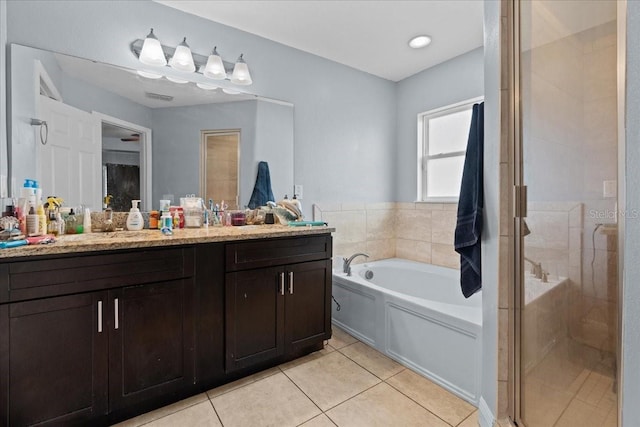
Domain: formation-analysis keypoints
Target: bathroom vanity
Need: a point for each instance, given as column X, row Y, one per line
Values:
column 99, row 328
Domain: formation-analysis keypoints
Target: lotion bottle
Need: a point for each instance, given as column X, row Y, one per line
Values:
column 134, row 219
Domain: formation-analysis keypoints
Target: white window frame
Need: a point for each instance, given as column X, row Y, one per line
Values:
column 423, row 147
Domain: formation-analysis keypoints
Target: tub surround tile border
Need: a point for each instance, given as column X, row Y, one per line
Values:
column 417, row 231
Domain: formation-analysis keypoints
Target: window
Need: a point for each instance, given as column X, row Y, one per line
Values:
column 442, row 142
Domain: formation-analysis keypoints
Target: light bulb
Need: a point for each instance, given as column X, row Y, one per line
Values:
column 151, row 53
column 215, row 67
column 241, row 75
column 182, row 59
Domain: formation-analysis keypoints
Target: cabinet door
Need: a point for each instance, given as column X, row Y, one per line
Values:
column 308, row 309
column 254, row 304
column 151, row 342
column 57, row 360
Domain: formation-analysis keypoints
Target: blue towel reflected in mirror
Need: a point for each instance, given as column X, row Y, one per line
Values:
column 262, row 192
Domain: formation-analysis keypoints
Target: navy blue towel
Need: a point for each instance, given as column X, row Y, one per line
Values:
column 470, row 205
column 262, row 192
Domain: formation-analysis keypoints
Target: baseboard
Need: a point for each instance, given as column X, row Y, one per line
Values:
column 485, row 416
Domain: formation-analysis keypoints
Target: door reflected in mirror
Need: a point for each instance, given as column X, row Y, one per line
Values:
column 220, row 162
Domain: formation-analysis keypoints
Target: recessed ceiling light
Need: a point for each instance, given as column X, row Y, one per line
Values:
column 419, row 41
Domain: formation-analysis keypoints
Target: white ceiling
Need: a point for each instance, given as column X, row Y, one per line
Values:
column 370, row 36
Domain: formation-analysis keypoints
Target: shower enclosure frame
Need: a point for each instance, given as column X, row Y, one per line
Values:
column 518, row 203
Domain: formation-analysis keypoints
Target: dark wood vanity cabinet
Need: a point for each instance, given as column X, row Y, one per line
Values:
column 276, row 311
column 75, row 358
column 54, row 360
column 95, row 338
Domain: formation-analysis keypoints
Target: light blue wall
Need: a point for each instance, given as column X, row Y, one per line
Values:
column 176, row 145
column 631, row 274
column 458, row 79
column 344, row 119
column 274, row 144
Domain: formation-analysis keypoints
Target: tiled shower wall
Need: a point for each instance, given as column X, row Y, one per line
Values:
column 416, row 231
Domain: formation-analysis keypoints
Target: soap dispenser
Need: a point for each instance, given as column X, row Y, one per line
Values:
column 134, row 219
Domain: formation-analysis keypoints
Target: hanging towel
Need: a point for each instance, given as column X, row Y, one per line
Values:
column 470, row 205
column 262, row 192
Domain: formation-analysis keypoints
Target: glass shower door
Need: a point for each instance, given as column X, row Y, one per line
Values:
column 567, row 296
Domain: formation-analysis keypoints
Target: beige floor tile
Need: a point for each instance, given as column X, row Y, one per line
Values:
column 542, row 405
column 200, row 415
column 436, row 399
column 320, row 421
column 580, row 414
column 372, row 360
column 597, row 391
column 382, row 406
column 308, row 358
column 164, row 411
column 242, row 382
column 470, row 421
column 340, row 338
column 331, row 379
column 272, row 401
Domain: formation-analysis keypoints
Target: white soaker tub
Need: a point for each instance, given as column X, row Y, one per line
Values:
column 416, row 314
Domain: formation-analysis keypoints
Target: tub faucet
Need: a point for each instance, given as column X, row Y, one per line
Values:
column 536, row 270
column 346, row 266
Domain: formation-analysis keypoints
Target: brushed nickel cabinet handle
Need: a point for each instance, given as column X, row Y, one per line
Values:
column 291, row 282
column 115, row 313
column 282, row 284
column 99, row 316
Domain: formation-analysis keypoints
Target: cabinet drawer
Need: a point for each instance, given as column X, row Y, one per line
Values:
column 269, row 253
column 69, row 274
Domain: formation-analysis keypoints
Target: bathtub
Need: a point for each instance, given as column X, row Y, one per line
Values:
column 415, row 313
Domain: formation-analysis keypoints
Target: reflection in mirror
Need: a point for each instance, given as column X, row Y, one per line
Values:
column 220, row 155
column 108, row 126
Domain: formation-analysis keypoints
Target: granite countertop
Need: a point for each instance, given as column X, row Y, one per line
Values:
column 90, row 242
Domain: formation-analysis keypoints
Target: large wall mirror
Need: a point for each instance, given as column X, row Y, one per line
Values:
column 110, row 130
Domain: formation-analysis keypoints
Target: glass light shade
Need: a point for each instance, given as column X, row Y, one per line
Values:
column 230, row 91
column 182, row 59
column 241, row 74
column 149, row 75
column 215, row 67
column 177, row 80
column 151, row 53
column 206, row 86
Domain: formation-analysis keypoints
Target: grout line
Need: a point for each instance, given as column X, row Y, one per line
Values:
column 144, row 423
column 418, row 403
column 467, row 417
column 216, row 412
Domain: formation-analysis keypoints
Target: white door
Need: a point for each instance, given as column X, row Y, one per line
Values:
column 71, row 160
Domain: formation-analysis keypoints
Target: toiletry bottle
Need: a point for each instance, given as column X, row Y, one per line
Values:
column 32, row 222
column 42, row 219
column 134, row 219
column 70, row 223
column 61, row 224
column 52, row 226
column 166, row 223
column 297, row 202
column 86, row 221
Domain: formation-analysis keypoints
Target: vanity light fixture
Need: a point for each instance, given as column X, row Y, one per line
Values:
column 182, row 59
column 177, row 80
column 151, row 52
column 149, row 74
column 419, row 41
column 206, row 86
column 241, row 75
column 215, row 67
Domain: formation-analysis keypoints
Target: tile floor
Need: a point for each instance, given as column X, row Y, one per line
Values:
column 346, row 384
column 571, row 387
